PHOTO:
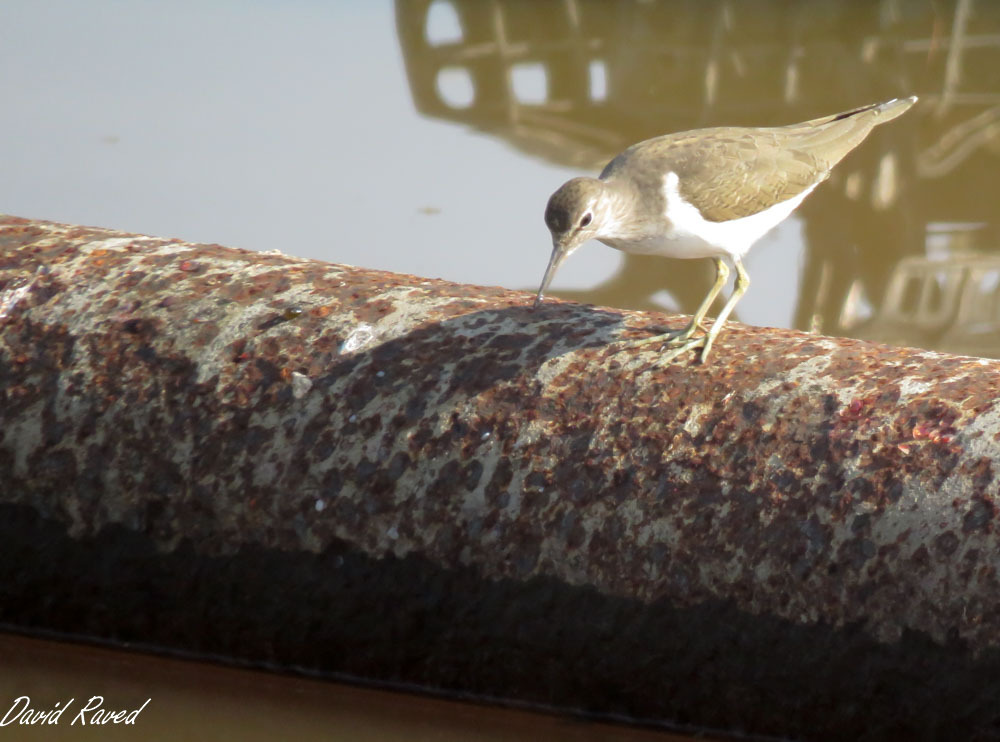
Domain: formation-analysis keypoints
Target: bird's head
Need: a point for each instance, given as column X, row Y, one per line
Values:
column 573, row 215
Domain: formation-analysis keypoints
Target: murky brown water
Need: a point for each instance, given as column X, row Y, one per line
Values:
column 188, row 700
column 425, row 137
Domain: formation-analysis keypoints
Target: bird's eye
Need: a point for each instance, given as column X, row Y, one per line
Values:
column 587, row 218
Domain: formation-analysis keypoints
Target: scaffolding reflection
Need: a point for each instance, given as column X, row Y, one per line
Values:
column 899, row 246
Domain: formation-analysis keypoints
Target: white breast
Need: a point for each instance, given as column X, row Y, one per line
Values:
column 690, row 235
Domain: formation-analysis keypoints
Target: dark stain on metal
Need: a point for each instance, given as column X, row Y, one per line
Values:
column 523, row 493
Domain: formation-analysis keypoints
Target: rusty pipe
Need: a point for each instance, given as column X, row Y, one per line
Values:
column 409, row 481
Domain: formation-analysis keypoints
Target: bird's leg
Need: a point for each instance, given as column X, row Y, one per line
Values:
column 742, row 284
column 721, row 276
column 683, row 336
column 683, row 344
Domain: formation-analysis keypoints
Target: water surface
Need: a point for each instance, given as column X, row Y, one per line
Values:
column 196, row 701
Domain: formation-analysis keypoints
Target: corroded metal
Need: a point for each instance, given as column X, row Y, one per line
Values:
column 412, row 481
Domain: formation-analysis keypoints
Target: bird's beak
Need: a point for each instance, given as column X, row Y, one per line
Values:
column 560, row 251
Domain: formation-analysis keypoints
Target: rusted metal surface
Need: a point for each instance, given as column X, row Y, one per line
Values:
column 411, row 481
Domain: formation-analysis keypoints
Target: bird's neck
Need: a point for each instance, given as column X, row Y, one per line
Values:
column 615, row 212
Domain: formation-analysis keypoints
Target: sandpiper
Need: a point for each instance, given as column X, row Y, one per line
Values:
column 710, row 193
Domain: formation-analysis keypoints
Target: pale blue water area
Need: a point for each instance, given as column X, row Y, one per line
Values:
column 261, row 125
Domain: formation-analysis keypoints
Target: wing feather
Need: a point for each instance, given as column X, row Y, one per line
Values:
column 731, row 173
column 739, row 175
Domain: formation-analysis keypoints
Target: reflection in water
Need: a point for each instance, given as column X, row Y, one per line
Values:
column 902, row 245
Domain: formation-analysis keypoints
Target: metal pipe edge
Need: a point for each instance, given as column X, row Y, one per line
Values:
column 358, row 473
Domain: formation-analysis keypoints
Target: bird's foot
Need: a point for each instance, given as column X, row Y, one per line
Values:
column 679, row 337
column 677, row 348
column 676, row 343
column 670, row 338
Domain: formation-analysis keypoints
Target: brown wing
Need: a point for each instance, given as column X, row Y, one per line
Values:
column 743, row 172
column 730, row 173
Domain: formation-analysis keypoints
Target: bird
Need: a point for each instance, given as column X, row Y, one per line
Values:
column 706, row 193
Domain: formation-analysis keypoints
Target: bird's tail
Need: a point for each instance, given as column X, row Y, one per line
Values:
column 885, row 111
column 879, row 112
column 830, row 138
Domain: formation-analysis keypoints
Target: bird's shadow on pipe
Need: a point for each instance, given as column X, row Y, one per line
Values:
column 486, row 347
